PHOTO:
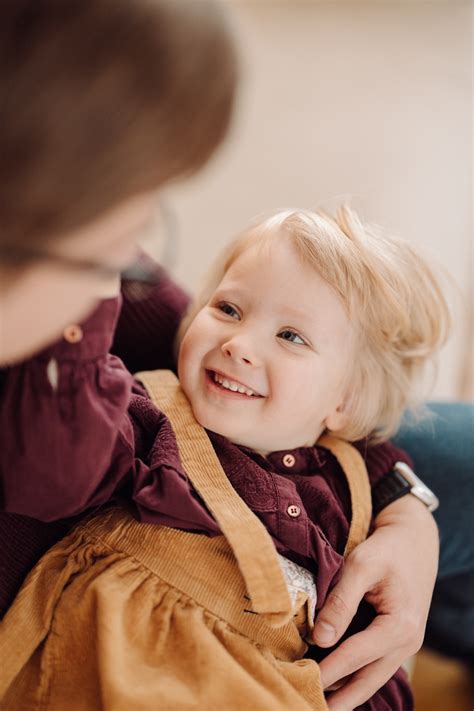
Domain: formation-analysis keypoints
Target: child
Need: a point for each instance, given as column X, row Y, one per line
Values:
column 308, row 325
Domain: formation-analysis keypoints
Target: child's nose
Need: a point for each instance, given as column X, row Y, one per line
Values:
column 239, row 352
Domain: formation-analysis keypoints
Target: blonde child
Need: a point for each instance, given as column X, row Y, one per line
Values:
column 307, row 326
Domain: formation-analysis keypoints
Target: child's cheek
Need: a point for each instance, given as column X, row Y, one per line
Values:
column 182, row 360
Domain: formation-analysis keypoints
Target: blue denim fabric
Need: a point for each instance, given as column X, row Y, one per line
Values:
column 442, row 447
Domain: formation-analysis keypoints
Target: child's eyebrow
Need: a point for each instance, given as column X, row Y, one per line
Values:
column 297, row 314
column 227, row 292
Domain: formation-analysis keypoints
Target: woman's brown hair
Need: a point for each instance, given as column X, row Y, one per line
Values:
column 103, row 99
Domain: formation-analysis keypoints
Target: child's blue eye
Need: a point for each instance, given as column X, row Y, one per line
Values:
column 228, row 309
column 287, row 335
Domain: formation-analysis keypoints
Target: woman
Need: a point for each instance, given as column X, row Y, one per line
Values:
column 104, row 102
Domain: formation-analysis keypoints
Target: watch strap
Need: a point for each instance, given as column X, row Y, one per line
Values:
column 392, row 487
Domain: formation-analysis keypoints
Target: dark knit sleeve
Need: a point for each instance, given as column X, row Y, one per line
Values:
column 23, row 542
column 64, row 423
column 148, row 322
column 380, row 458
column 395, row 695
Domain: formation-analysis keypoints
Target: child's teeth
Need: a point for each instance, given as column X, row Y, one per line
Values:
column 234, row 387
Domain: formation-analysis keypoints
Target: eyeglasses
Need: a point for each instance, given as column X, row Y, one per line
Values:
column 138, row 279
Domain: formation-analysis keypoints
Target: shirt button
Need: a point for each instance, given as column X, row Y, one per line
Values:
column 289, row 460
column 293, row 510
column 73, row 333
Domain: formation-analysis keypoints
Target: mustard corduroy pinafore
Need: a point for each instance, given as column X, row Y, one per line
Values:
column 126, row 616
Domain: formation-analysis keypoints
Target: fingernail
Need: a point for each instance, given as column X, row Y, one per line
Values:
column 324, row 632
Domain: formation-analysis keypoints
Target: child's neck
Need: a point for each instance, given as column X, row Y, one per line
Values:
column 264, row 452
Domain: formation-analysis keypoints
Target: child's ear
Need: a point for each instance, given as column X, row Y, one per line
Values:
column 338, row 418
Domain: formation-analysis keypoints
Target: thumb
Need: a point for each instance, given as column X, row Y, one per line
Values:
column 339, row 608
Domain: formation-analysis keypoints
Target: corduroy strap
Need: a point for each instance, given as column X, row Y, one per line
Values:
column 247, row 536
column 355, row 471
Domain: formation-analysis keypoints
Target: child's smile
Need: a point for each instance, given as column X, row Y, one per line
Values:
column 223, row 383
column 265, row 362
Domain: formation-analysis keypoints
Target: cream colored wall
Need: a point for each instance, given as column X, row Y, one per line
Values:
column 363, row 102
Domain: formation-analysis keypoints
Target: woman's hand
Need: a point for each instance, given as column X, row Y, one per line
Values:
column 395, row 570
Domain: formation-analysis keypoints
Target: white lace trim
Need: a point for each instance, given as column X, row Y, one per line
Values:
column 298, row 580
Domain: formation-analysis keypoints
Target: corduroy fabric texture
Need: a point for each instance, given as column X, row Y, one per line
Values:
column 122, row 615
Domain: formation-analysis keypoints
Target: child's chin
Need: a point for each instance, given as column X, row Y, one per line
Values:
column 211, row 425
column 208, row 422
column 220, row 425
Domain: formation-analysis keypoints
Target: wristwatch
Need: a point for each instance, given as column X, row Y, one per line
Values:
column 400, row 481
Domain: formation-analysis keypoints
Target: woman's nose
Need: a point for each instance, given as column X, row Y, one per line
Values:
column 239, row 351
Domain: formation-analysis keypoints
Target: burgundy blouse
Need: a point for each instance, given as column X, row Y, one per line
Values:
column 97, row 438
column 64, row 437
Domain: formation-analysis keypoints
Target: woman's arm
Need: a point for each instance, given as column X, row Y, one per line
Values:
column 394, row 570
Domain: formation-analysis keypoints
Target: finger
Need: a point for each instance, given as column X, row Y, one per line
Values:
column 378, row 641
column 363, row 684
column 341, row 604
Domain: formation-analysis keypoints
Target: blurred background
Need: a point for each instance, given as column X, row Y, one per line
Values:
column 364, row 102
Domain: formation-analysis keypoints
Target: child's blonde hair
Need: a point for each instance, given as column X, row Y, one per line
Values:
column 391, row 295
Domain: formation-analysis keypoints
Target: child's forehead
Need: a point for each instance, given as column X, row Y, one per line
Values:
column 276, row 261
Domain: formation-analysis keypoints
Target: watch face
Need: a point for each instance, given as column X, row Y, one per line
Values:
column 418, row 489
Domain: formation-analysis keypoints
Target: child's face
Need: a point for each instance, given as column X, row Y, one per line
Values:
column 276, row 330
